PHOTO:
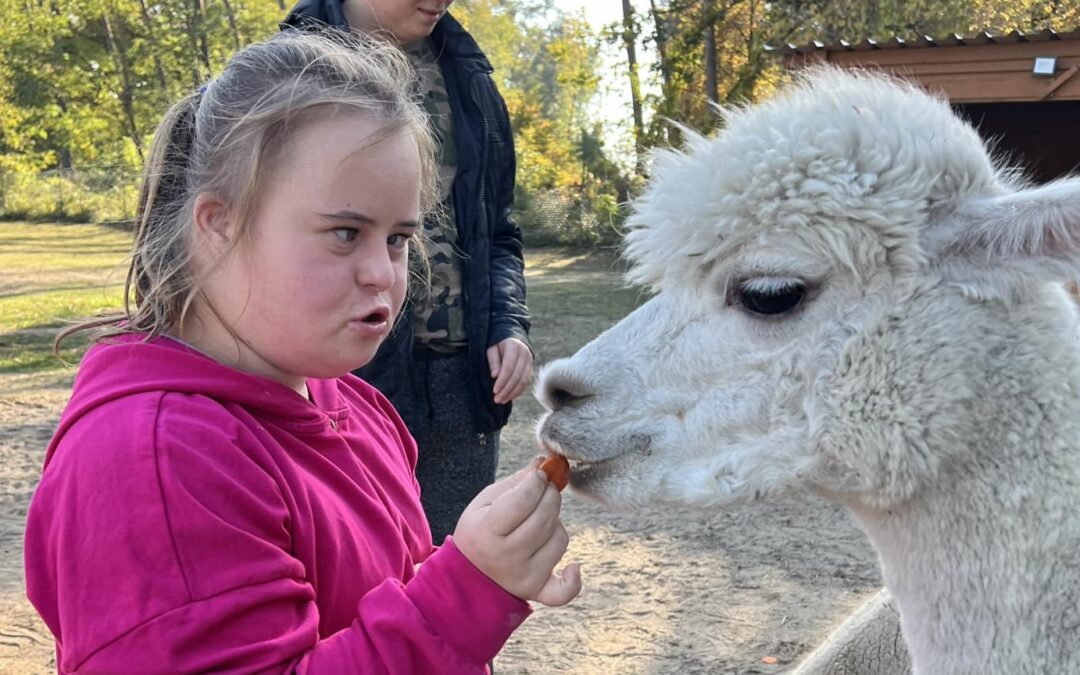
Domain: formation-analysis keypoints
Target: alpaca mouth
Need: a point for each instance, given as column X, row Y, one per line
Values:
column 553, row 440
column 583, row 472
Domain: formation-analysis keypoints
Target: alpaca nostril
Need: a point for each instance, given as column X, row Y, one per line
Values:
column 564, row 398
column 562, row 392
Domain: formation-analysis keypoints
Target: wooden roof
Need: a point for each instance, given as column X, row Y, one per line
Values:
column 982, row 68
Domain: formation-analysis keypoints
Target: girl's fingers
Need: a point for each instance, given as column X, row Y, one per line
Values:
column 535, row 532
column 496, row 489
column 553, row 549
column 561, row 588
column 514, row 506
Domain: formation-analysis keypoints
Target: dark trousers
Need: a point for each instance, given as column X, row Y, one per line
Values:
column 455, row 461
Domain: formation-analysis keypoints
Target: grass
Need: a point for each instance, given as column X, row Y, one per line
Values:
column 22, row 352
column 52, row 275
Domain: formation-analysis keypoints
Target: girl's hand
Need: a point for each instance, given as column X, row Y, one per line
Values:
column 511, row 365
column 512, row 533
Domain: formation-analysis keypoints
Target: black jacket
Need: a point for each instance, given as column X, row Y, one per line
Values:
column 493, row 269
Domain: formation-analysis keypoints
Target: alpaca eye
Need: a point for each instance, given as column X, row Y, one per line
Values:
column 773, row 300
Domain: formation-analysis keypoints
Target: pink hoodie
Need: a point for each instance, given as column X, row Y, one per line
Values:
column 192, row 517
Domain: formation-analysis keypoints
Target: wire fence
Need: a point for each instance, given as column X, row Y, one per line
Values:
column 106, row 194
column 573, row 217
column 101, row 194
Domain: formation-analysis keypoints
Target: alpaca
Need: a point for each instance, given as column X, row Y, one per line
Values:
column 851, row 300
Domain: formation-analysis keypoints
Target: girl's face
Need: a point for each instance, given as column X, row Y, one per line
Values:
column 406, row 20
column 314, row 284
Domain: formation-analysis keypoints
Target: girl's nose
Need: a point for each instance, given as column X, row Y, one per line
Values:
column 376, row 269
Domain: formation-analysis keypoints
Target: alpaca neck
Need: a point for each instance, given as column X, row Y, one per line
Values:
column 984, row 567
column 975, row 513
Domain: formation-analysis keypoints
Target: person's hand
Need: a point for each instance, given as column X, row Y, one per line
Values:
column 511, row 367
column 512, row 533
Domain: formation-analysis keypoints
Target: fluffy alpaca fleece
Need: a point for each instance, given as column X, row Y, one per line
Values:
column 926, row 374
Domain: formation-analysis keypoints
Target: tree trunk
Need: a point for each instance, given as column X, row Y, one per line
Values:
column 127, row 99
column 204, row 48
column 193, row 26
column 711, row 85
column 151, row 33
column 630, row 42
column 200, row 51
column 66, row 162
column 232, row 24
column 661, row 27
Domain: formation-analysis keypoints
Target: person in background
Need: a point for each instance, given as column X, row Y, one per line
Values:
column 222, row 494
column 460, row 355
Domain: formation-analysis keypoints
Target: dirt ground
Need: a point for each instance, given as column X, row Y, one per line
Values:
column 671, row 591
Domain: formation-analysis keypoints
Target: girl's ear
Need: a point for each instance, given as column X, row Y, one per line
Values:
column 213, row 222
column 1029, row 233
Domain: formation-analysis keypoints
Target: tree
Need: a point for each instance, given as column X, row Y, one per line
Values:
column 629, row 36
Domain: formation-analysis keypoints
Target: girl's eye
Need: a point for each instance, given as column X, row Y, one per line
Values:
column 398, row 240
column 346, row 234
column 772, row 300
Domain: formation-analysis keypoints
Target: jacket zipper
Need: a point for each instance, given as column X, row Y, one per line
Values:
column 481, row 191
column 483, row 146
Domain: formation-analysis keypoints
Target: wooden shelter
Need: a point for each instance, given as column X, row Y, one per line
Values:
column 1020, row 90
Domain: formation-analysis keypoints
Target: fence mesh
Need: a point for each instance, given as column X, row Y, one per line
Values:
column 86, row 194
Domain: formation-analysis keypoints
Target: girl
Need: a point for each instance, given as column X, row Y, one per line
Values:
column 461, row 355
column 221, row 494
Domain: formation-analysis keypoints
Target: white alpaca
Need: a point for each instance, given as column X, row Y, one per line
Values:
column 853, row 302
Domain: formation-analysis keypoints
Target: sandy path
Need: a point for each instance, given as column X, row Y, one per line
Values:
column 29, row 408
column 666, row 592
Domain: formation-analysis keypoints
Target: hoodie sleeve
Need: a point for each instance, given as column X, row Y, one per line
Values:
column 176, row 555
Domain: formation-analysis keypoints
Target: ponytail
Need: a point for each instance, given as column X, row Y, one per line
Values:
column 165, row 193
column 156, row 279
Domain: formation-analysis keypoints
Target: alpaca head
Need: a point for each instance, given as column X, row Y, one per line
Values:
column 830, row 272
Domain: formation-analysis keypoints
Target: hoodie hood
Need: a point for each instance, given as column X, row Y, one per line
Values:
column 130, row 365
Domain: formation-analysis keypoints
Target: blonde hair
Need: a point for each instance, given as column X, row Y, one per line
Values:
column 226, row 139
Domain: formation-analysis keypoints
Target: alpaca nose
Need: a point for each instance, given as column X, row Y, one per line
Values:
column 559, row 390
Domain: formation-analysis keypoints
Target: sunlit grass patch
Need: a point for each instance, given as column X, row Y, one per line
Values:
column 36, row 257
column 31, row 351
column 51, row 276
column 57, row 308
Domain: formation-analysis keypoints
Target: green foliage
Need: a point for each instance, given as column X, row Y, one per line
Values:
column 855, row 20
column 587, row 218
column 547, row 64
column 84, row 83
column 680, row 32
column 68, row 196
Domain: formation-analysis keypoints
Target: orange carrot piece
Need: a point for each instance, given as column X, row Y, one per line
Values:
column 558, row 471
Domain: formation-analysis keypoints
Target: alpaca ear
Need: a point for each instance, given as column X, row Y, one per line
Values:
column 1032, row 232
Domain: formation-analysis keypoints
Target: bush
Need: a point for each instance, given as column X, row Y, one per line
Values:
column 68, row 196
column 583, row 218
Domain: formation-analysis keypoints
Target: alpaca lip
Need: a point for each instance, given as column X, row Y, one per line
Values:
column 580, row 452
